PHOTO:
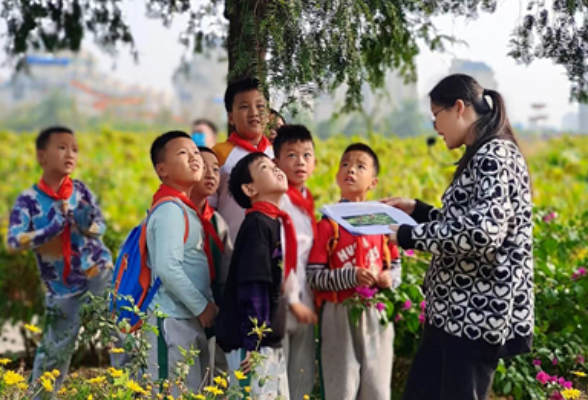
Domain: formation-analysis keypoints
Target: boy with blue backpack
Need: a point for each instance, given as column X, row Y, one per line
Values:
column 60, row 220
column 175, row 262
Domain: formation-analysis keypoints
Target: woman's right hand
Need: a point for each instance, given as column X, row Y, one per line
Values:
column 402, row 203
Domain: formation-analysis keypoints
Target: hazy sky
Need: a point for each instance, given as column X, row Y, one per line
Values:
column 487, row 39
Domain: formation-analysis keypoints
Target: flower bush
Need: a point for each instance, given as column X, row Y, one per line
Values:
column 116, row 167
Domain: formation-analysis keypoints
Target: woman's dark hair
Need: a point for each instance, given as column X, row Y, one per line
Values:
column 493, row 122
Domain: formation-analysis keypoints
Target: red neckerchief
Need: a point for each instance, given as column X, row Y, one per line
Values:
column 209, row 231
column 273, row 211
column 64, row 193
column 304, row 203
column 263, row 144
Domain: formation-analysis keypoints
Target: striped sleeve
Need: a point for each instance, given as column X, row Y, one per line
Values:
column 321, row 278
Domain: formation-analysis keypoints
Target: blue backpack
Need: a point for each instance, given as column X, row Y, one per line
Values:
column 132, row 276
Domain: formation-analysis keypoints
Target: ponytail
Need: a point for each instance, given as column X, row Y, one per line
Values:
column 493, row 122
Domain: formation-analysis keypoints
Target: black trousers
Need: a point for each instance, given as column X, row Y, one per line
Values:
column 450, row 368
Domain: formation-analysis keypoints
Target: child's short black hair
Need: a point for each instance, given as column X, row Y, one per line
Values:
column 291, row 134
column 45, row 135
column 206, row 122
column 241, row 175
column 204, row 149
column 158, row 146
column 278, row 115
column 364, row 148
column 239, row 86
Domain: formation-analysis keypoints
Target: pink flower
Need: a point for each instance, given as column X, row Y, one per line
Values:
column 542, row 377
column 582, row 271
column 397, row 318
column 423, row 305
column 380, row 306
column 557, row 396
column 575, row 276
column 554, row 361
column 407, row 305
column 409, row 253
column 536, row 362
column 422, row 318
column 552, row 379
column 366, row 292
column 561, row 380
column 550, row 217
column 567, row 384
column 580, row 359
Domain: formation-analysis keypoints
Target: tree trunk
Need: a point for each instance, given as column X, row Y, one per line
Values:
column 246, row 44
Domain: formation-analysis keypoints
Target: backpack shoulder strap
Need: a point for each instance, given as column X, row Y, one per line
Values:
column 386, row 250
column 334, row 240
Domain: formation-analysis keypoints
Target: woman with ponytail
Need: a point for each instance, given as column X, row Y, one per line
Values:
column 479, row 286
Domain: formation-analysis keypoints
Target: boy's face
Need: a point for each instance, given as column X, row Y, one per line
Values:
column 356, row 175
column 60, row 155
column 249, row 114
column 267, row 178
column 182, row 162
column 297, row 161
column 210, row 177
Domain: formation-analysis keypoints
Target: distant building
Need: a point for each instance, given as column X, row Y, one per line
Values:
column 583, row 119
column 200, row 86
column 478, row 70
column 570, row 122
column 77, row 76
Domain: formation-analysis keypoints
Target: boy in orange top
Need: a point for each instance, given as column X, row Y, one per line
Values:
column 246, row 106
column 355, row 361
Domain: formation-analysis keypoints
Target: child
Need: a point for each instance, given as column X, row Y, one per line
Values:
column 355, row 361
column 276, row 121
column 294, row 149
column 254, row 285
column 206, row 187
column 185, row 296
column 246, row 108
column 60, row 220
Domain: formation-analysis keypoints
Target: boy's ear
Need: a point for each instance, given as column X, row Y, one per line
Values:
column 374, row 183
column 231, row 120
column 161, row 171
column 41, row 157
column 249, row 190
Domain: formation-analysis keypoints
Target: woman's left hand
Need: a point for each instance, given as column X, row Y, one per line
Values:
column 394, row 235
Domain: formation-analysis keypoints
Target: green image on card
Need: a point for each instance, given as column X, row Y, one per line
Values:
column 370, row 219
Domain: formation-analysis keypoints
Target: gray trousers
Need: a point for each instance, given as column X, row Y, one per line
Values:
column 165, row 353
column 62, row 328
column 299, row 349
column 355, row 361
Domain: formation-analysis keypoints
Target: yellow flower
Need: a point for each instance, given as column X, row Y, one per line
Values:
column 63, row 390
column 166, row 385
column 217, row 392
column 73, row 392
column 98, row 380
column 49, row 376
column 117, row 350
column 219, row 380
column 22, row 386
column 571, row 394
column 209, row 389
column 159, row 396
column 74, row 375
column 55, row 373
column 115, row 373
column 169, row 397
column 90, row 397
column 260, row 331
column 148, row 388
column 12, row 378
column 47, row 384
column 248, row 389
column 4, row 361
column 200, row 397
column 580, row 374
column 135, row 387
column 306, row 397
column 240, row 375
column 32, row 328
